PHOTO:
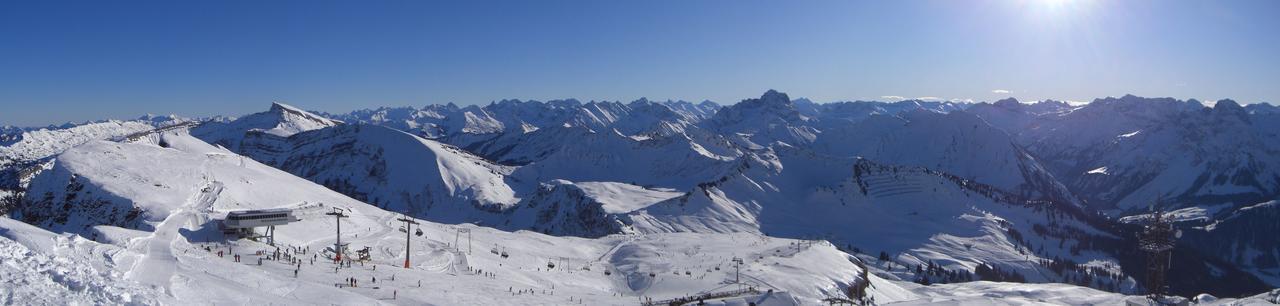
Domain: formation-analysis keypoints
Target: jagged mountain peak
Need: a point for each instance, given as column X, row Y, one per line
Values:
column 771, row 105
column 1262, row 108
column 281, row 120
column 755, row 122
column 290, row 120
column 1130, row 102
column 1008, row 103
column 277, row 106
column 1194, row 102
column 1227, row 105
column 774, row 97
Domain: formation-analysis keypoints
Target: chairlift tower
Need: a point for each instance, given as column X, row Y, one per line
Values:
column 337, row 247
column 408, row 228
column 737, row 264
column 564, row 263
column 1157, row 239
column 457, row 235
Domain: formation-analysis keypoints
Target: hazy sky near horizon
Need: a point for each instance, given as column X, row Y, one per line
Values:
column 82, row 60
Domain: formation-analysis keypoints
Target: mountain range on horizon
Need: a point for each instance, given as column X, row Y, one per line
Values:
column 1255, row 106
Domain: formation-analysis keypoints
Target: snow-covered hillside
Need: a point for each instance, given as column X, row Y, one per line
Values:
column 1125, row 155
column 43, row 143
column 609, row 203
column 24, row 153
column 918, row 215
column 42, row 268
column 165, row 248
column 958, row 143
column 180, row 257
column 402, row 172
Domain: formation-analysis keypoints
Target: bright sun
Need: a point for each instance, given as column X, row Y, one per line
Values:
column 1055, row 8
column 1047, row 5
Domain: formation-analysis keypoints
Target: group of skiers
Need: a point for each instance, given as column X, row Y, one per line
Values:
column 353, row 282
column 289, row 254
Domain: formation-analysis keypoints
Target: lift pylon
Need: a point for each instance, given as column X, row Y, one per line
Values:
column 408, row 228
column 337, row 247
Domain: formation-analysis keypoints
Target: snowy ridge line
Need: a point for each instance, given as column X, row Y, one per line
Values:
column 139, row 135
column 866, row 173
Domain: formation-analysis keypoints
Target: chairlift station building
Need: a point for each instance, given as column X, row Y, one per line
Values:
column 243, row 222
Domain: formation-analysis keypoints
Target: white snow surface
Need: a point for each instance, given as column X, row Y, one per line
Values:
column 40, row 268
column 619, row 198
column 201, row 183
column 44, row 143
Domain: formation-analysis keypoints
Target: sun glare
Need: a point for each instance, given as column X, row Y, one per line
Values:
column 1053, row 4
column 1057, row 6
column 1056, row 9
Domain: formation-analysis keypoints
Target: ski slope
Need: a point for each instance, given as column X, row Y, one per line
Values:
column 204, row 182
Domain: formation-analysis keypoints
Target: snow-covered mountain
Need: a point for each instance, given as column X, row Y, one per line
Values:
column 1244, row 237
column 840, row 114
column 756, row 123
column 24, row 152
column 177, row 256
column 640, row 117
column 920, row 216
column 179, row 188
column 402, row 172
column 1125, row 155
column 958, row 143
column 615, row 203
column 279, row 122
column 393, row 169
column 38, row 144
column 389, row 168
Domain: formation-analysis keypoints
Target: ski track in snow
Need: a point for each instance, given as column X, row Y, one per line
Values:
column 159, row 264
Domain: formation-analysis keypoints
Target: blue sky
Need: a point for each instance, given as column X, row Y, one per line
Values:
column 81, row 60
